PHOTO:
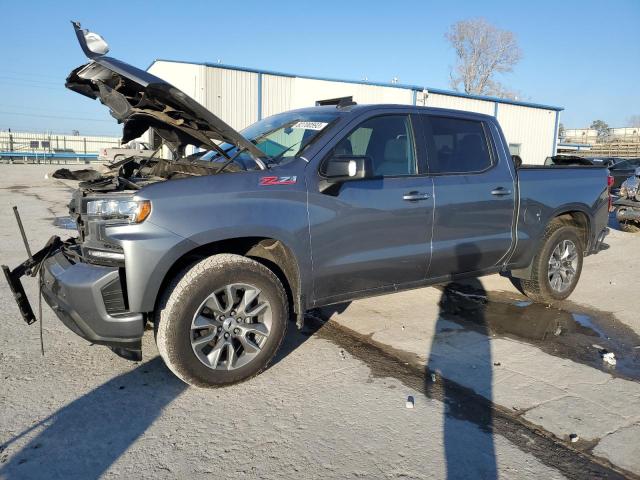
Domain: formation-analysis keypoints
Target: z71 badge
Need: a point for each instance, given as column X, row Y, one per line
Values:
column 278, row 180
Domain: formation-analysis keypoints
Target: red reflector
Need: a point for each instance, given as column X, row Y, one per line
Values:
column 610, row 181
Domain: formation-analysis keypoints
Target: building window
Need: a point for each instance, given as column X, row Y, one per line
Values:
column 514, row 148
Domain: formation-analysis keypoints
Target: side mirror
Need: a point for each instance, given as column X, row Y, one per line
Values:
column 517, row 161
column 344, row 168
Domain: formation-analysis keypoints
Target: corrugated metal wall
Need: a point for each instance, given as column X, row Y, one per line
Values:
column 308, row 91
column 232, row 95
column 532, row 128
column 277, row 94
column 460, row 103
column 240, row 97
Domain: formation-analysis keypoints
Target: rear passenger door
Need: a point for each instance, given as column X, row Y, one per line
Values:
column 474, row 196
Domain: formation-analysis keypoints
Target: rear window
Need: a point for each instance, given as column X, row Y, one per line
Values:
column 455, row 145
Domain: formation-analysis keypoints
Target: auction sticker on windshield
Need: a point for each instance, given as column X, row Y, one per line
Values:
column 310, row 125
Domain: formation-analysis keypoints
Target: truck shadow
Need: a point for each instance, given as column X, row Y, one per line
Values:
column 84, row 438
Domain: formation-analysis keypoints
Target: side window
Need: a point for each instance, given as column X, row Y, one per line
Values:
column 455, row 145
column 387, row 140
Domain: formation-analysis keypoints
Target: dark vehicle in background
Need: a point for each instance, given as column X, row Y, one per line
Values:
column 303, row 209
column 623, row 170
column 567, row 160
column 606, row 161
column 627, row 206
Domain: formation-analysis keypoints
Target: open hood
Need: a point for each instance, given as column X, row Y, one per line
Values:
column 141, row 101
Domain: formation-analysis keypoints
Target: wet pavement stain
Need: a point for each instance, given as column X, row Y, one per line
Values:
column 572, row 460
column 564, row 330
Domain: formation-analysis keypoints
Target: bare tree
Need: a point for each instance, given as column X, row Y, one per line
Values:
column 602, row 128
column 633, row 121
column 482, row 51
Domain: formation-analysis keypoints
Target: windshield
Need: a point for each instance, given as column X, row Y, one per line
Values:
column 281, row 137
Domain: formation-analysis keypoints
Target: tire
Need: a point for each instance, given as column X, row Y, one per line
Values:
column 191, row 311
column 539, row 287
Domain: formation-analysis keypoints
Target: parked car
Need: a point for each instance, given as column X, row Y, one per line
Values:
column 623, row 170
column 117, row 154
column 627, row 206
column 567, row 160
column 606, row 161
column 303, row 209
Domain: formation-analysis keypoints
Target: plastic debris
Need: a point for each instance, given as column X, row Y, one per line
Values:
column 558, row 331
column 433, row 377
column 574, row 437
column 410, row 403
column 610, row 358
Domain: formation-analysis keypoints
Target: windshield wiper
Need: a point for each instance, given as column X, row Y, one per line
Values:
column 231, row 159
column 280, row 155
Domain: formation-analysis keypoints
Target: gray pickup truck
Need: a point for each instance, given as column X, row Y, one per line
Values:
column 303, row 209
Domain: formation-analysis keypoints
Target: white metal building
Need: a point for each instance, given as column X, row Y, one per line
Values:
column 241, row 96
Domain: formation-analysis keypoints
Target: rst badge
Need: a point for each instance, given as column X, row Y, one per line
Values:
column 267, row 181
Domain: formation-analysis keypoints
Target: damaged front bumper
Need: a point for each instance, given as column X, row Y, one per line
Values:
column 89, row 299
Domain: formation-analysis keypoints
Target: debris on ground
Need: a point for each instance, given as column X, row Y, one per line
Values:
column 558, row 331
column 574, row 437
column 496, row 364
column 433, row 377
column 86, row 174
column 342, row 354
column 410, row 402
column 609, row 357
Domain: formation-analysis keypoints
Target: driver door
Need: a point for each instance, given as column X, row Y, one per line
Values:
column 373, row 233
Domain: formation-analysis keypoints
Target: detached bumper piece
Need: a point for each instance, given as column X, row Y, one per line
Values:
column 89, row 299
column 29, row 267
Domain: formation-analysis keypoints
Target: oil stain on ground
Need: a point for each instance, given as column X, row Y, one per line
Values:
column 566, row 330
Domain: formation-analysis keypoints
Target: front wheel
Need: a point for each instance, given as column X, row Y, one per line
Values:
column 221, row 321
column 556, row 267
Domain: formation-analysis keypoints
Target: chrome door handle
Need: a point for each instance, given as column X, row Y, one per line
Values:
column 500, row 191
column 415, row 196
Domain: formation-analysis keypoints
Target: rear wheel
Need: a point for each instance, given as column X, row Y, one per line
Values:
column 221, row 321
column 556, row 267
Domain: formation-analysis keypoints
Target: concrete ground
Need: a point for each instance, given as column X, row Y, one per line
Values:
column 491, row 403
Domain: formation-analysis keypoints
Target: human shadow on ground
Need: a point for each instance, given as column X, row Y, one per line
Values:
column 458, row 357
column 85, row 437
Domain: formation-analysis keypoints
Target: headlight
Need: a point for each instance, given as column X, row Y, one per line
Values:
column 133, row 211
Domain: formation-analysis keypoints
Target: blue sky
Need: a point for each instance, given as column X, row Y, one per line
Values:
column 582, row 55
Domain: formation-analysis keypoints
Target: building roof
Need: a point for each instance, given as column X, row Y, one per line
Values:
column 417, row 88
